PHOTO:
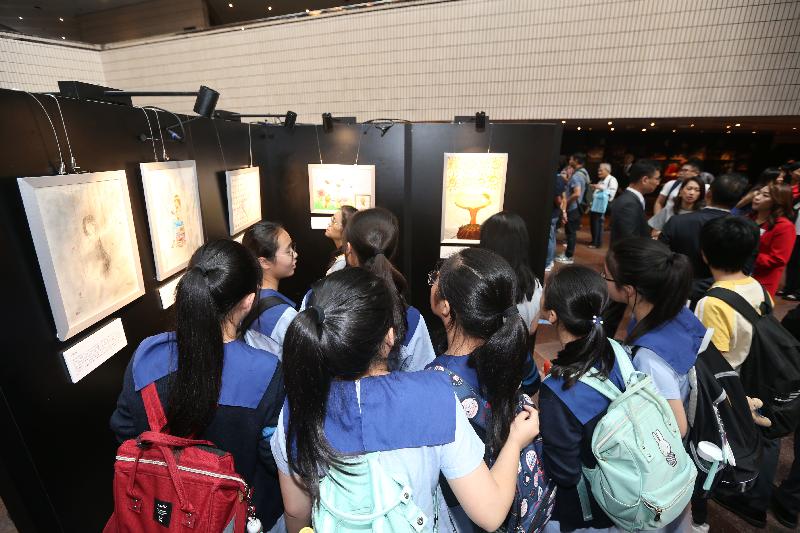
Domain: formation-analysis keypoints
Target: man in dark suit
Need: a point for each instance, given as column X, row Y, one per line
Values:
column 682, row 233
column 628, row 220
column 627, row 211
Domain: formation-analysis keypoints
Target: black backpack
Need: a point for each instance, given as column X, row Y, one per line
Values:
column 262, row 305
column 719, row 413
column 792, row 322
column 771, row 371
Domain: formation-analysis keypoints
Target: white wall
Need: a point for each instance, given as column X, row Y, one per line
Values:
column 37, row 66
column 515, row 59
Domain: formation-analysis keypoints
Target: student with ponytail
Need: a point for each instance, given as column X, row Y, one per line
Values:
column 574, row 300
column 473, row 293
column 213, row 386
column 664, row 335
column 344, row 404
column 371, row 241
column 275, row 251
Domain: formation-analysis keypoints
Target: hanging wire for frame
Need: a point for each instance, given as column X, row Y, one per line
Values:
column 363, row 132
column 61, row 167
column 219, row 143
column 149, row 127
column 161, row 137
column 316, row 131
column 250, row 139
column 75, row 167
column 491, row 129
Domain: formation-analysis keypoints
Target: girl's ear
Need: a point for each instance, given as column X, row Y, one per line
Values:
column 264, row 263
column 630, row 292
column 388, row 343
column 350, row 256
column 550, row 316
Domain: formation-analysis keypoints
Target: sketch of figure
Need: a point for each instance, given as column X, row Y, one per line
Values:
column 179, row 229
column 99, row 253
column 244, row 198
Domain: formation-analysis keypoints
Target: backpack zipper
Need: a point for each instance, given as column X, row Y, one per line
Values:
column 184, row 468
column 656, row 510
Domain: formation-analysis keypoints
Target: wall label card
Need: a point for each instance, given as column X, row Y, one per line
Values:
column 332, row 186
column 173, row 214
column 85, row 241
column 244, row 198
column 320, row 222
column 84, row 356
column 473, row 190
column 167, row 292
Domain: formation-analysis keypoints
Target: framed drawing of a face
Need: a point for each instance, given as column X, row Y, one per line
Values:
column 173, row 214
column 332, row 186
column 83, row 233
column 473, row 190
column 244, row 198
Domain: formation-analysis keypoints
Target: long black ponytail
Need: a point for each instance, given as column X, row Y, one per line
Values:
column 338, row 336
column 221, row 273
column 373, row 236
column 480, row 287
column 660, row 276
column 578, row 295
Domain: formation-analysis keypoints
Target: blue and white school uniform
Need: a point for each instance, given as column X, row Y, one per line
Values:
column 668, row 352
column 416, row 348
column 413, row 419
column 250, row 400
column 567, row 419
column 269, row 329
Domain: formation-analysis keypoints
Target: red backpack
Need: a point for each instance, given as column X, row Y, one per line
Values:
column 164, row 483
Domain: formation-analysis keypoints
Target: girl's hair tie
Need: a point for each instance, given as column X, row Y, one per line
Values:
column 597, row 321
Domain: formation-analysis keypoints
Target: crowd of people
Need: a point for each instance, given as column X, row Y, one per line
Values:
column 344, row 396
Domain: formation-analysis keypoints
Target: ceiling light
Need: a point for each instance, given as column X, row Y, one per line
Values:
column 230, row 4
column 269, row 8
column 691, row 125
column 728, row 126
column 242, row 28
column 737, row 124
column 20, row 18
column 644, row 129
column 753, row 131
column 612, row 129
column 63, row 37
column 579, row 128
column 307, row 11
column 794, row 128
column 610, row 122
column 673, row 131
column 652, row 124
column 563, row 121
column 61, row 19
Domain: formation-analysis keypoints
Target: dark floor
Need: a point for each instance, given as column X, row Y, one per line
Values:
column 547, row 346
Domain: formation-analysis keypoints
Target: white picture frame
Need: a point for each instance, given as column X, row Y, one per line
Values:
column 174, row 217
column 85, row 241
column 473, row 189
column 244, row 198
column 332, row 186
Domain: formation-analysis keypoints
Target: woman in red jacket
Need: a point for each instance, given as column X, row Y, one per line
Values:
column 772, row 211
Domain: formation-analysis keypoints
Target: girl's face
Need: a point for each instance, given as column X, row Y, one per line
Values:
column 762, row 201
column 779, row 179
column 690, row 193
column 285, row 261
column 334, row 229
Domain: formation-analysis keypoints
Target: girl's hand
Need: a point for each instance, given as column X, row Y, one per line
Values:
column 524, row 428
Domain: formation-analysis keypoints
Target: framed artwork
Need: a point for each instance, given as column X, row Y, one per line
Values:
column 173, row 214
column 83, row 233
column 332, row 186
column 244, row 198
column 473, row 190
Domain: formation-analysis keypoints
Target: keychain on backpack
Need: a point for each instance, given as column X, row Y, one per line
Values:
column 253, row 523
column 708, row 451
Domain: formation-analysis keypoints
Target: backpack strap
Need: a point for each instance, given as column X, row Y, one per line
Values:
column 739, row 304
column 262, row 305
column 605, row 386
column 464, row 391
column 583, row 496
column 152, row 406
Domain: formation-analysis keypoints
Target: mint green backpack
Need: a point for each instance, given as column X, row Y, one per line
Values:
column 644, row 478
column 367, row 498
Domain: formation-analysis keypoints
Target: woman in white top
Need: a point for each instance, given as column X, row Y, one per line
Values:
column 335, row 232
column 691, row 197
column 506, row 234
column 609, row 184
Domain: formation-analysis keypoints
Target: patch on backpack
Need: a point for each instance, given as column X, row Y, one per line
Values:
column 162, row 512
column 665, row 448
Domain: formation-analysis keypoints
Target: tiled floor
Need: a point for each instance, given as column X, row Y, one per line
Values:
column 547, row 346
